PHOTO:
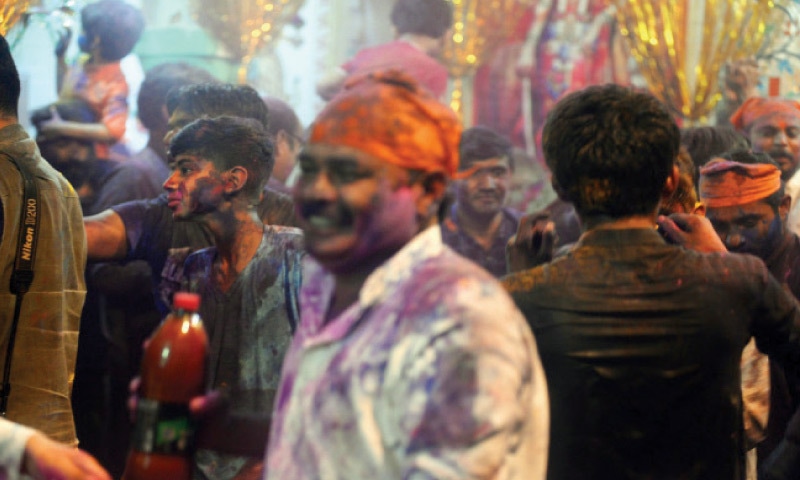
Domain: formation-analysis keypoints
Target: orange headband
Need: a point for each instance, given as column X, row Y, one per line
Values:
column 757, row 107
column 387, row 116
column 724, row 183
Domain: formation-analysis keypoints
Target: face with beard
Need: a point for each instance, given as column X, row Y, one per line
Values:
column 755, row 228
column 778, row 135
column 483, row 192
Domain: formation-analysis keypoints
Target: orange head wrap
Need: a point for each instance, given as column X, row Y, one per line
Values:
column 386, row 115
column 757, row 107
column 724, row 183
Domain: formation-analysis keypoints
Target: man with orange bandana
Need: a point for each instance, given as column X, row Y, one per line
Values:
column 773, row 127
column 746, row 203
column 409, row 361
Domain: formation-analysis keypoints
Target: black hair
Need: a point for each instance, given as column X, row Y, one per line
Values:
column 214, row 100
column 9, row 81
column 749, row 157
column 424, row 17
column 705, row 143
column 158, row 82
column 482, row 143
column 116, row 23
column 282, row 117
column 229, row 142
column 610, row 150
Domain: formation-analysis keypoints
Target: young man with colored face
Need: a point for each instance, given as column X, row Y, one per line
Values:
column 410, row 361
column 641, row 340
column 747, row 206
column 773, row 127
column 478, row 226
column 248, row 282
column 145, row 229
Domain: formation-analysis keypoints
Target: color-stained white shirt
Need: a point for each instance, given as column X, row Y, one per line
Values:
column 432, row 373
column 13, row 438
column 792, row 188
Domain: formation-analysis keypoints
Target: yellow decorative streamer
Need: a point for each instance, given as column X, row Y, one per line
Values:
column 10, row 12
column 479, row 27
column 681, row 46
column 244, row 26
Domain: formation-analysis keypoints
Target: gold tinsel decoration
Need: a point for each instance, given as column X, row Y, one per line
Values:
column 10, row 12
column 479, row 27
column 681, row 46
column 244, row 26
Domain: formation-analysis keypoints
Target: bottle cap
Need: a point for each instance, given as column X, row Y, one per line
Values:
column 186, row 301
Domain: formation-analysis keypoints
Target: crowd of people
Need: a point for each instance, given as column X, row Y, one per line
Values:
column 374, row 307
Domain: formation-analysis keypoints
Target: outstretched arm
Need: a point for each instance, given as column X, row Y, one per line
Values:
column 106, row 237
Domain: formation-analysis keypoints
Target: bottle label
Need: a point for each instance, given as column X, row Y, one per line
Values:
column 164, row 428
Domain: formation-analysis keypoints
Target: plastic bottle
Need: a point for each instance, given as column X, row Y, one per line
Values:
column 173, row 372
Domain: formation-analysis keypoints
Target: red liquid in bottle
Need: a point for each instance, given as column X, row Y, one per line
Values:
column 173, row 372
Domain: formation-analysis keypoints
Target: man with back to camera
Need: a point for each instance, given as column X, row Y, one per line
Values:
column 47, row 336
column 641, row 340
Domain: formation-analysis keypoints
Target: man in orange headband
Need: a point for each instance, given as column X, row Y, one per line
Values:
column 410, row 361
column 773, row 127
column 746, row 203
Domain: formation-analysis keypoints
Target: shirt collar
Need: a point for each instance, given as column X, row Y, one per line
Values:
column 400, row 267
column 617, row 238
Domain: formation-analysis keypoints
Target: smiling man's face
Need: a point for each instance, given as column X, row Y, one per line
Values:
column 353, row 208
column 778, row 135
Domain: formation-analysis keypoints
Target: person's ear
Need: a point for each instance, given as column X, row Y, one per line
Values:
column 559, row 191
column 784, row 206
column 283, row 143
column 671, row 185
column 433, row 186
column 699, row 209
column 235, row 179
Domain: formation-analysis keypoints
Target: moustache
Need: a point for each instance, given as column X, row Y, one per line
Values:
column 776, row 154
column 308, row 209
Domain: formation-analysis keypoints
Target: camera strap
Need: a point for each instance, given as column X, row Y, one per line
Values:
column 22, row 276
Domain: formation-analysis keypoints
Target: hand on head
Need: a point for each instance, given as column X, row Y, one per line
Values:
column 691, row 231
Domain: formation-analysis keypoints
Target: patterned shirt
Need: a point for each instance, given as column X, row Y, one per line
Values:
column 493, row 259
column 432, row 373
column 249, row 328
column 105, row 89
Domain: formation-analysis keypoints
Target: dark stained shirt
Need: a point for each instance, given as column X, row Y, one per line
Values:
column 784, row 264
column 641, row 343
column 492, row 260
column 249, row 327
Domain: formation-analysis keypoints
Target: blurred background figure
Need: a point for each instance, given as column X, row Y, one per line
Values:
column 420, row 28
